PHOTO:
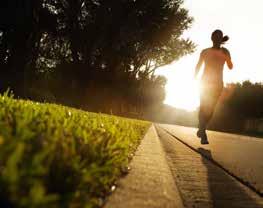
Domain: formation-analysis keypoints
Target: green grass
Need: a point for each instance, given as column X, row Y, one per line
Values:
column 55, row 156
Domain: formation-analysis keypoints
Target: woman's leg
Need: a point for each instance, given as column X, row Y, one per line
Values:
column 208, row 100
column 205, row 108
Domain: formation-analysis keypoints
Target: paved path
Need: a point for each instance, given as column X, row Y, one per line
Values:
column 201, row 183
column 150, row 183
column 240, row 155
column 171, row 170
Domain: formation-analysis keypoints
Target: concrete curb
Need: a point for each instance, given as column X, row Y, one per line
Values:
column 150, row 183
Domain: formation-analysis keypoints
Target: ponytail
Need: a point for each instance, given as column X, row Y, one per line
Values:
column 225, row 39
column 218, row 38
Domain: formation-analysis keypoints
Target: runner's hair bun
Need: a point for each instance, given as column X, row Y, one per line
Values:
column 225, row 39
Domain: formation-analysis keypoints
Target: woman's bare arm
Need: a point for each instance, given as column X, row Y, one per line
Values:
column 229, row 62
column 199, row 64
column 228, row 58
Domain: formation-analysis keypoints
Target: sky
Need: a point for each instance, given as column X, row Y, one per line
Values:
column 242, row 21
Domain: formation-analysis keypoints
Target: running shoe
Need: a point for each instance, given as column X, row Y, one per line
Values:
column 204, row 139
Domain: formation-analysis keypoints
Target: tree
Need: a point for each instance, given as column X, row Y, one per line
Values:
column 110, row 43
column 21, row 29
column 239, row 103
column 247, row 100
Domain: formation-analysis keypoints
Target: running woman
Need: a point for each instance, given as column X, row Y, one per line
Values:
column 214, row 59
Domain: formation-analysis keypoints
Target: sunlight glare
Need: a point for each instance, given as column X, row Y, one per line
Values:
column 182, row 91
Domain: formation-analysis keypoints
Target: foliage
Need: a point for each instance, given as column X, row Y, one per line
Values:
column 54, row 156
column 247, row 100
column 85, row 43
column 239, row 103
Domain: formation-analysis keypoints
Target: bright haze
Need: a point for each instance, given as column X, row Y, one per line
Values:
column 242, row 22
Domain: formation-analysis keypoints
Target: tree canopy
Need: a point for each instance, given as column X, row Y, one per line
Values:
column 110, row 43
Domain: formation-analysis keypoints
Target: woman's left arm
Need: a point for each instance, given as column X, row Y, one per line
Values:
column 228, row 58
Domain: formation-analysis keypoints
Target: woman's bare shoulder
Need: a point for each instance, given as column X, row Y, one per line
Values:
column 204, row 51
column 225, row 51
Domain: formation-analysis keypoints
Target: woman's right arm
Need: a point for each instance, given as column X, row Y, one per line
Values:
column 199, row 64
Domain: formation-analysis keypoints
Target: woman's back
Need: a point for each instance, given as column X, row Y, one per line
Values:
column 214, row 60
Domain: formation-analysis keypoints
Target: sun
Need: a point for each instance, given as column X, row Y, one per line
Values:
column 182, row 90
column 183, row 93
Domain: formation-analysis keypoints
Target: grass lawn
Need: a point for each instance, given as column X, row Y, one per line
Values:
column 55, row 156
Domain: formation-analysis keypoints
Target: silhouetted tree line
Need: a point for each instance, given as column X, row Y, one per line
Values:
column 240, row 103
column 239, row 110
column 91, row 53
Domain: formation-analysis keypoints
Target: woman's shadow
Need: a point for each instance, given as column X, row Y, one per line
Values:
column 224, row 189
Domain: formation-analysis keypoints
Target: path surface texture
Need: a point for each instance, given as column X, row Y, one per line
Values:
column 172, row 169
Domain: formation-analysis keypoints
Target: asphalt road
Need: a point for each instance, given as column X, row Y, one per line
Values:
column 241, row 156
